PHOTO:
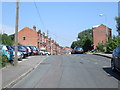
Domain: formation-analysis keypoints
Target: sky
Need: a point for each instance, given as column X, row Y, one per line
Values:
column 63, row 20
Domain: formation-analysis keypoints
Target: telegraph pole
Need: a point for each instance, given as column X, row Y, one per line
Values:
column 16, row 33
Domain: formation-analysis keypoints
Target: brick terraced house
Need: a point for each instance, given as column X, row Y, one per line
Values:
column 101, row 34
column 31, row 37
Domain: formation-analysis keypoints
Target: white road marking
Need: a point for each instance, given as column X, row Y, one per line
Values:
column 105, row 66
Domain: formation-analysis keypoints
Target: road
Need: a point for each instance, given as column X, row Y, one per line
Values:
column 72, row 71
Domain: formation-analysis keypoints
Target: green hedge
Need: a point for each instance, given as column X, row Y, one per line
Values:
column 3, row 61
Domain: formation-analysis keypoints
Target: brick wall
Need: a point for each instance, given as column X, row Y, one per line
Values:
column 30, row 36
column 100, row 35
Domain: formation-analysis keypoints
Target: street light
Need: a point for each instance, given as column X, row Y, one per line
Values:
column 106, row 26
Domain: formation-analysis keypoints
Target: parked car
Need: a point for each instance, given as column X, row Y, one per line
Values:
column 115, row 61
column 42, row 52
column 30, row 50
column 93, row 50
column 19, row 53
column 48, row 53
column 23, row 50
column 77, row 50
column 6, row 50
column 35, row 51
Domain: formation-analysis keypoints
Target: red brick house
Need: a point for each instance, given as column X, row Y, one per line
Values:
column 28, row 37
column 31, row 37
column 101, row 33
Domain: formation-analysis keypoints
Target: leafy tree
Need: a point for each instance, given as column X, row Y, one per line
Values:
column 86, row 44
column 118, row 24
column 0, row 38
column 112, row 44
column 12, row 36
column 85, row 40
column 74, row 44
column 6, row 40
column 85, row 33
column 100, row 47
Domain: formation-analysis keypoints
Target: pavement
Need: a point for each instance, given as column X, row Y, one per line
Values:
column 12, row 74
column 104, row 55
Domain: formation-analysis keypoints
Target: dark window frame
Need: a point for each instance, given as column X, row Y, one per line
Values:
column 24, row 38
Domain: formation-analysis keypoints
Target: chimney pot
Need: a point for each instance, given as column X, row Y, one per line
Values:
column 34, row 27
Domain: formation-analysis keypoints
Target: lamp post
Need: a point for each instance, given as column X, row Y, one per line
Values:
column 105, row 29
column 106, row 26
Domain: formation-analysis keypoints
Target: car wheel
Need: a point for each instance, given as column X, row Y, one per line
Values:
column 20, row 59
column 113, row 65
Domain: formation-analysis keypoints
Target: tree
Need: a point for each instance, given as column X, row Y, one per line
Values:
column 100, row 47
column 7, row 40
column 112, row 44
column 86, row 44
column 118, row 24
column 88, row 32
column 85, row 40
column 74, row 44
column 12, row 36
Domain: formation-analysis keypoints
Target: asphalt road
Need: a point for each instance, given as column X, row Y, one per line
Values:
column 72, row 71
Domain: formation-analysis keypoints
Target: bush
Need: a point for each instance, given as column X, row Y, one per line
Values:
column 3, row 60
column 101, row 48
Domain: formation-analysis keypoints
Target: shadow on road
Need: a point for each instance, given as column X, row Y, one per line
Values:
column 112, row 73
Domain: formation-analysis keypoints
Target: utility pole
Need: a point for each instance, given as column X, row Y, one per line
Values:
column 51, row 48
column 47, row 32
column 16, row 33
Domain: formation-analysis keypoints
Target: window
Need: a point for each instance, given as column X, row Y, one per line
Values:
column 8, row 47
column 24, row 38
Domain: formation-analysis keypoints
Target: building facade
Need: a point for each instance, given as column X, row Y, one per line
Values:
column 31, row 37
column 101, row 34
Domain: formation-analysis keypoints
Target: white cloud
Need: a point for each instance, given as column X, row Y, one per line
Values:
column 7, row 29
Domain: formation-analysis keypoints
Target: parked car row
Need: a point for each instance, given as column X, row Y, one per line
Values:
column 23, row 51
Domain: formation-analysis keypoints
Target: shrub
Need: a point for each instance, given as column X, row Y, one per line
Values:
column 3, row 60
column 100, row 48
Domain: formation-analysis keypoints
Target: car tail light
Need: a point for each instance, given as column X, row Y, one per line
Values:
column 26, row 49
column 8, row 51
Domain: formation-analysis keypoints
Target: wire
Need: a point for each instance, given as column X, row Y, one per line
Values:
column 44, row 24
column 39, row 16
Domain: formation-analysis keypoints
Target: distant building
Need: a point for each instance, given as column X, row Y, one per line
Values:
column 101, row 33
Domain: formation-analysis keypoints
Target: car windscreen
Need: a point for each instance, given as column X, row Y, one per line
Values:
column 9, row 48
column 78, row 48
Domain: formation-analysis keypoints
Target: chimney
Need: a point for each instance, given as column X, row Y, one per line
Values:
column 34, row 27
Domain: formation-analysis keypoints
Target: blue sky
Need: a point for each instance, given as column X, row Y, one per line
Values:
column 63, row 20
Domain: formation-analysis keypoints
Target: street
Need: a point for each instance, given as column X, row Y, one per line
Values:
column 71, row 71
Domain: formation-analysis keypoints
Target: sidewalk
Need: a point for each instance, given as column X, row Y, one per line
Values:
column 103, row 54
column 12, row 74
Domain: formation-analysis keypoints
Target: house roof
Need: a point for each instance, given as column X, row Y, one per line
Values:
column 96, row 26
